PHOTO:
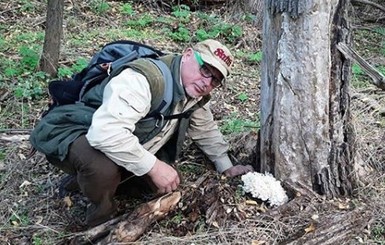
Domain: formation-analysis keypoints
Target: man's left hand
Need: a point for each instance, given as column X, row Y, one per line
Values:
column 238, row 170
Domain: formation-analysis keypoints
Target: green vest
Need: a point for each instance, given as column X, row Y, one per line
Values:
column 64, row 124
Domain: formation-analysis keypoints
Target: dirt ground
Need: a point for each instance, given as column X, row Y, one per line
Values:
column 213, row 209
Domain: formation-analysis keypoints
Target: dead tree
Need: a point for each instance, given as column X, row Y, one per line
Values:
column 49, row 60
column 306, row 130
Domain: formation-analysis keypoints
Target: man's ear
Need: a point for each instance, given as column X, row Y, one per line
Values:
column 187, row 54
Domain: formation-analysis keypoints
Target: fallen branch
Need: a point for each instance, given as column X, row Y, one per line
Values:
column 376, row 5
column 129, row 227
column 377, row 78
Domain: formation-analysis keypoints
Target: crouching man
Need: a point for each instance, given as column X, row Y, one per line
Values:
column 118, row 143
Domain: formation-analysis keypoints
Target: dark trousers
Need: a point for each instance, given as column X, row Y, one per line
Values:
column 99, row 178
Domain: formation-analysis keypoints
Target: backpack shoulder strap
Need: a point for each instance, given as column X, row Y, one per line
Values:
column 165, row 103
column 159, row 76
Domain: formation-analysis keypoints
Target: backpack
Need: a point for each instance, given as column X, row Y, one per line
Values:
column 105, row 64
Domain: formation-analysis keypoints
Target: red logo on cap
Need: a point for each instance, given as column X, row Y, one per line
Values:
column 220, row 53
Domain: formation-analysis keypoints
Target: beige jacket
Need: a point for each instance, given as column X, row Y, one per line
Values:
column 126, row 100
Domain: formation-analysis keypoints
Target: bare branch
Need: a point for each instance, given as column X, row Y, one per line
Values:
column 377, row 78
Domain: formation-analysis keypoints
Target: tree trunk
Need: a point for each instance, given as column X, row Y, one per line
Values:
column 49, row 60
column 306, row 131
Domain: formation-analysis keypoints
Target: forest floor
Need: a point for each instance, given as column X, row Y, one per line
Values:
column 213, row 209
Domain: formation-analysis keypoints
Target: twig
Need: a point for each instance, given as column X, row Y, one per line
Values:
column 9, row 10
column 16, row 131
column 372, row 104
column 377, row 78
column 376, row 5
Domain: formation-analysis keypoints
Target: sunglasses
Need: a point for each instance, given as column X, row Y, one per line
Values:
column 206, row 72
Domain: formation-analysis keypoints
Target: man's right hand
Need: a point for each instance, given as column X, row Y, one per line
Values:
column 165, row 177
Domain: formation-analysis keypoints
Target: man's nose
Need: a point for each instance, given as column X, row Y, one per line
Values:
column 207, row 81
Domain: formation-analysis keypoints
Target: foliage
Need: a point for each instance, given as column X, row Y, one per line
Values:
column 208, row 26
column 256, row 57
column 100, row 7
column 378, row 233
column 66, row 72
column 27, row 6
column 218, row 29
column 144, row 20
column 182, row 34
column 31, row 87
column 19, row 217
column 127, row 9
column 29, row 82
column 381, row 69
column 380, row 30
column 243, row 97
column 236, row 124
column 30, row 58
column 36, row 240
column 182, row 13
column 358, row 80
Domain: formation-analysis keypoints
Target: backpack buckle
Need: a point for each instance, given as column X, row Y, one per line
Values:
column 109, row 68
column 161, row 121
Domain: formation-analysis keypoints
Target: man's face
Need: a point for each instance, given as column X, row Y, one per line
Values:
column 198, row 80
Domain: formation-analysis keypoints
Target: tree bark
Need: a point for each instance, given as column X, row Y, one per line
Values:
column 306, row 132
column 49, row 60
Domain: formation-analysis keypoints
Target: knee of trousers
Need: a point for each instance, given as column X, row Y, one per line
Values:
column 90, row 162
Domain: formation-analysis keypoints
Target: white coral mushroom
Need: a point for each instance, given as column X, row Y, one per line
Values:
column 264, row 187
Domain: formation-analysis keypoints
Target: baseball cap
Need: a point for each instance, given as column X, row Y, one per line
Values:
column 215, row 54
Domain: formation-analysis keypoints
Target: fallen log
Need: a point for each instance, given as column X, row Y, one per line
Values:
column 129, row 227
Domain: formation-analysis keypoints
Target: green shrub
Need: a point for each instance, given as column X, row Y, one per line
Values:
column 243, row 97
column 202, row 35
column 30, row 57
column 31, row 87
column 235, row 124
column 182, row 13
column 357, row 70
column 142, row 21
column 358, row 80
column 3, row 43
column 100, row 7
column 64, row 72
column 381, row 69
column 29, row 61
column 127, row 9
column 182, row 34
column 256, row 57
column 67, row 72
column 219, row 30
column 79, row 65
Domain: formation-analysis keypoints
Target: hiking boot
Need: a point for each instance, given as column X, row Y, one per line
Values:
column 98, row 214
column 67, row 185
